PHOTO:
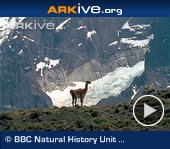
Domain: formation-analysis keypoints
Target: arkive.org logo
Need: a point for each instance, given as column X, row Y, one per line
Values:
column 80, row 9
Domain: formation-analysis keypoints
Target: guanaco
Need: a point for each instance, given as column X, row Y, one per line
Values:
column 79, row 93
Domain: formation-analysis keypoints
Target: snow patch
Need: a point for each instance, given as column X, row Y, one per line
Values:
column 90, row 33
column 110, row 85
column 113, row 43
column 151, row 37
column 126, row 26
column 80, row 44
column 20, row 52
column 158, row 84
column 15, row 37
column 142, row 26
column 48, row 63
column 27, row 67
column 134, row 91
column 61, row 26
column 9, row 107
column 138, row 33
column 135, row 43
column 118, row 33
column 29, row 39
column 135, row 27
column 7, row 25
column 81, row 27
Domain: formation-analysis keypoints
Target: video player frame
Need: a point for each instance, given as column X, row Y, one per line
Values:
column 84, row 74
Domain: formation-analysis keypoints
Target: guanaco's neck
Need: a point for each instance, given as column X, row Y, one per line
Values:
column 86, row 87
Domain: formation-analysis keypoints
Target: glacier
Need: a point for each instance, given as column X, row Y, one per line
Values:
column 111, row 84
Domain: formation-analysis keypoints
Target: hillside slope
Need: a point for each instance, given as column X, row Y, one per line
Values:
column 117, row 117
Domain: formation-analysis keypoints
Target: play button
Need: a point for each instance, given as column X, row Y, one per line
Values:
column 148, row 110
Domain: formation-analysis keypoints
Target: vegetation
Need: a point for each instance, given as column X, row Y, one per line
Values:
column 164, row 93
column 116, row 117
column 150, row 89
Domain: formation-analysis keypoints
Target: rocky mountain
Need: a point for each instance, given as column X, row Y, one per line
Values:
column 38, row 67
column 157, row 65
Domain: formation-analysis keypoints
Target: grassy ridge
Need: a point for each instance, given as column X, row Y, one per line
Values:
column 117, row 117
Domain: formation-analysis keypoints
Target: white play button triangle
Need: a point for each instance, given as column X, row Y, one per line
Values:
column 144, row 108
column 148, row 110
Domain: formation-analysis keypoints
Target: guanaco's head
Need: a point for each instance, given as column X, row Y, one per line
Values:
column 88, row 82
column 71, row 91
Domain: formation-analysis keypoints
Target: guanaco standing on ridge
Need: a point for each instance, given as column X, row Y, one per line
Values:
column 79, row 93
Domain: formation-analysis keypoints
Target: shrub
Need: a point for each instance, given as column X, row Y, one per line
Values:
column 117, row 111
column 80, row 123
column 165, row 93
column 6, row 116
column 36, row 114
column 48, row 112
column 94, row 113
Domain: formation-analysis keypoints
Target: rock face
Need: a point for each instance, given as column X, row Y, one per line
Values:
column 33, row 62
column 19, row 88
column 157, row 65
